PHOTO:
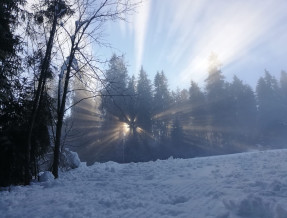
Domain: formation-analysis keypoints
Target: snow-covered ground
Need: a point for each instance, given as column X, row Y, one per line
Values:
column 252, row 185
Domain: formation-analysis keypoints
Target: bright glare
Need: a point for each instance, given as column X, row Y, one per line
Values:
column 126, row 128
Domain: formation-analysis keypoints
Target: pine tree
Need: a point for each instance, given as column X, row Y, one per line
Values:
column 161, row 98
column 217, row 104
column 283, row 87
column 178, row 139
column 8, row 19
column 10, row 62
column 144, row 101
column 115, row 91
column 244, row 109
column 161, row 102
column 198, row 104
column 269, row 107
column 131, row 103
column 283, row 93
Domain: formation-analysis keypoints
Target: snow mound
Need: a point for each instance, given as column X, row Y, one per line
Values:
column 46, row 176
column 69, row 159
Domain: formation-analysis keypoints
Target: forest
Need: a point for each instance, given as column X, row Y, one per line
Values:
column 139, row 119
column 55, row 94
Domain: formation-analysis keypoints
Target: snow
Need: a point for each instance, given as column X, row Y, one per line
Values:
column 250, row 185
column 46, row 176
column 69, row 159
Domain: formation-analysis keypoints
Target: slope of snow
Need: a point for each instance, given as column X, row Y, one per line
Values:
column 252, row 185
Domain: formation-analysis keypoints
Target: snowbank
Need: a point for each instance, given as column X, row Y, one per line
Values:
column 46, row 176
column 69, row 159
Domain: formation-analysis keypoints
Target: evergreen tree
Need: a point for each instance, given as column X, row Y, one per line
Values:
column 179, row 147
column 161, row 102
column 115, row 93
column 9, row 10
column 131, row 104
column 283, row 87
column 244, row 109
column 184, row 95
column 283, row 102
column 13, row 134
column 176, row 96
column 177, row 132
column 10, row 62
column 139, row 118
column 198, row 105
column 16, row 92
column 197, row 116
column 144, row 101
column 269, row 107
column 283, row 93
column 161, row 99
column 216, row 94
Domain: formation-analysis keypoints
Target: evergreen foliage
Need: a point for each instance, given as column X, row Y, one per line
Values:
column 116, row 90
column 271, row 108
column 216, row 93
column 144, row 101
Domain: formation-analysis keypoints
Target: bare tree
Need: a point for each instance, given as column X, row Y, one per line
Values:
column 53, row 11
column 90, row 17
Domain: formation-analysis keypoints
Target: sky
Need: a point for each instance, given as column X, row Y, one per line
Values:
column 179, row 36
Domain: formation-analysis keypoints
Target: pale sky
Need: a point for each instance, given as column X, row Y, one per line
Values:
column 177, row 36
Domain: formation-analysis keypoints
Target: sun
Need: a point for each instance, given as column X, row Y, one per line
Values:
column 125, row 128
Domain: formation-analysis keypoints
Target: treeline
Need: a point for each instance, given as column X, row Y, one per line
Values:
column 143, row 120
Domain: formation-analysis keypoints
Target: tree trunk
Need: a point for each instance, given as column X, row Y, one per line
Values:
column 38, row 97
column 57, row 147
column 61, row 113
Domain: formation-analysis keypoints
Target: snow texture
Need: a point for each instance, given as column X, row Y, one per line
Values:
column 248, row 185
column 69, row 159
column 46, row 176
